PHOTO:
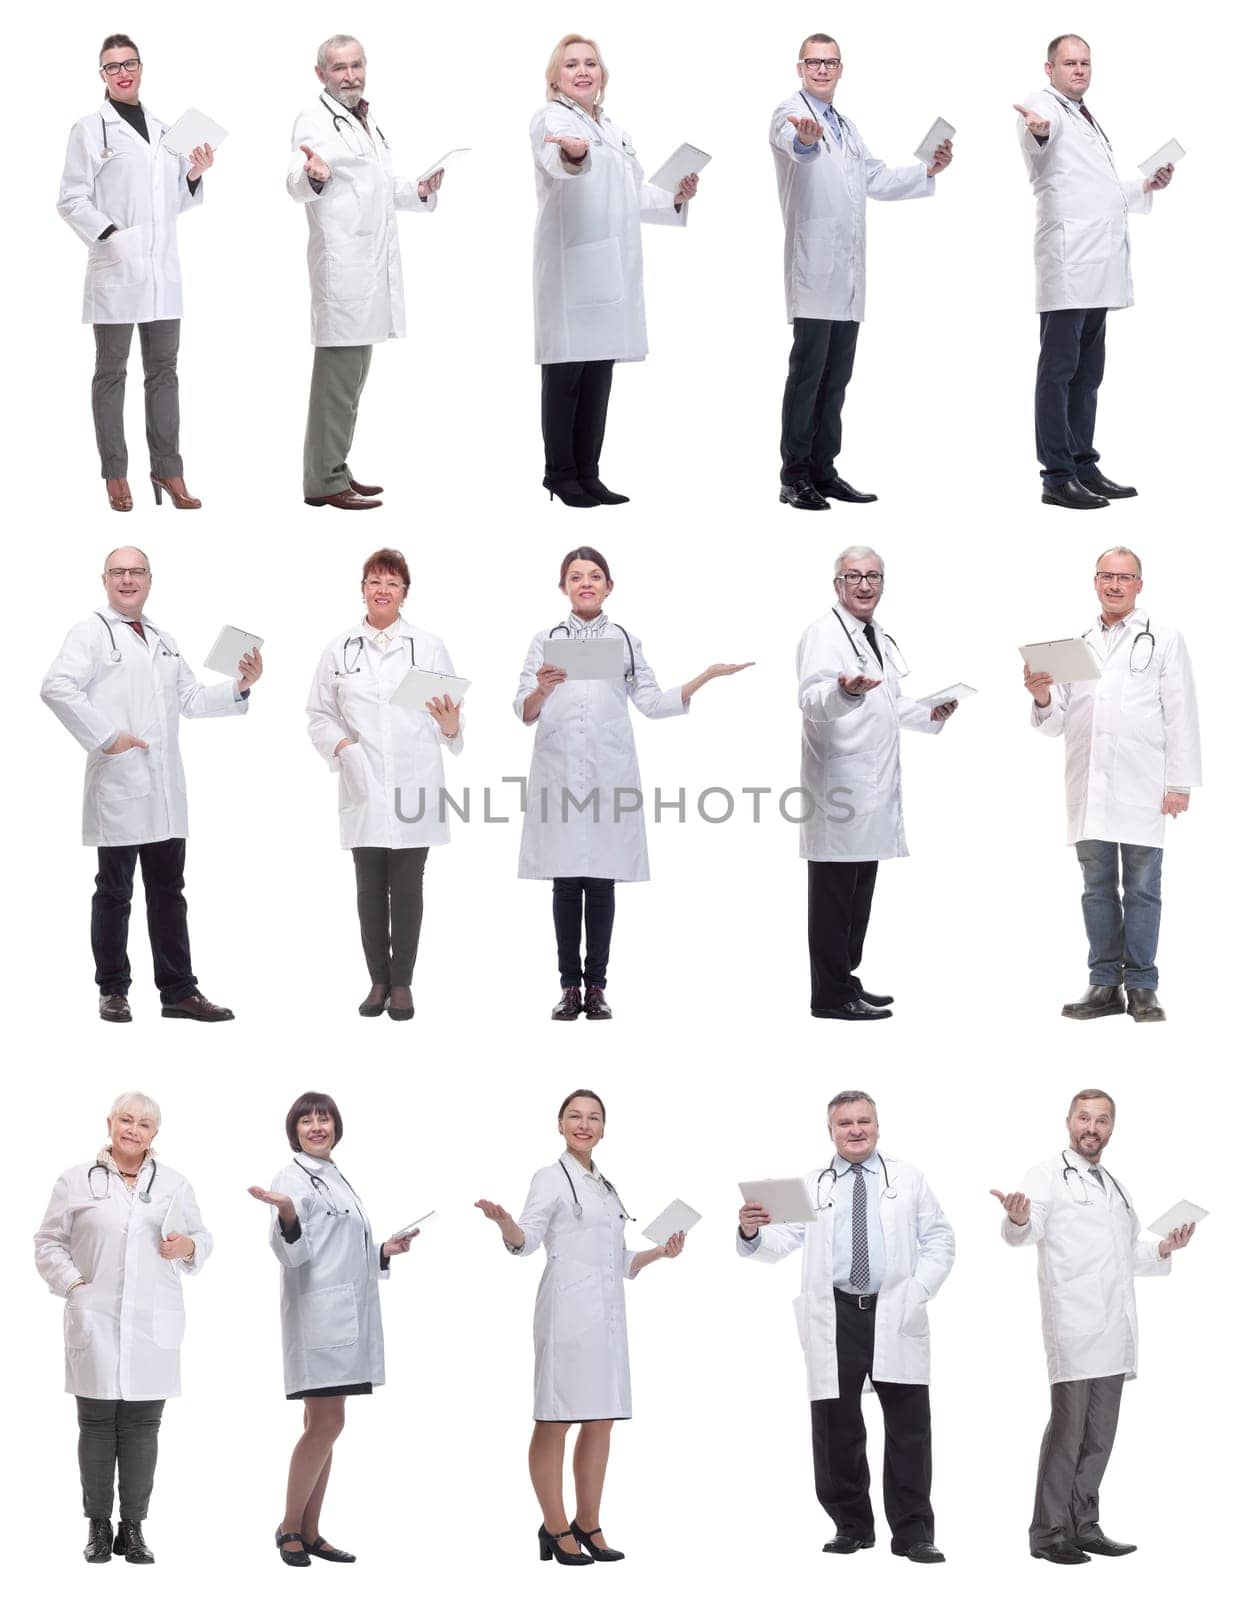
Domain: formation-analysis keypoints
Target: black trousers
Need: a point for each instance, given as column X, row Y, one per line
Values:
column 839, row 1443
column 821, row 364
column 1067, row 380
column 390, row 910
column 575, row 411
column 838, row 911
column 570, row 897
column 118, row 1440
column 163, row 880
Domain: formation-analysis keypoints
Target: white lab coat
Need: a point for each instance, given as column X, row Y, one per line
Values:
column 1082, row 209
column 823, row 199
column 140, row 189
column 1089, row 1256
column 396, row 748
column 329, row 1282
column 851, row 760
column 918, row 1253
column 354, row 252
column 138, row 796
column 588, row 249
column 1129, row 736
column 582, row 1359
column 583, row 802
column 124, row 1326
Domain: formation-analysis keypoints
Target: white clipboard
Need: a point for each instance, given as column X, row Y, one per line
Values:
column 955, row 691
column 1176, row 1217
column 785, row 1198
column 448, row 159
column 191, row 130
column 1068, row 660
column 586, row 658
column 675, row 1218
column 1168, row 155
column 418, row 686
column 687, row 158
column 230, row 646
column 173, row 1221
column 939, row 131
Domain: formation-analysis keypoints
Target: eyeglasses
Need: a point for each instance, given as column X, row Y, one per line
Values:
column 383, row 583
column 128, row 572
column 851, row 580
column 1124, row 578
column 828, row 63
column 113, row 67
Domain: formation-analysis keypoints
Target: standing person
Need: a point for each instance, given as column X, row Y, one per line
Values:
column 1131, row 760
column 341, row 171
column 588, row 264
column 1082, row 269
column 853, row 714
column 121, row 192
column 583, row 825
column 121, row 686
column 390, row 768
column 582, row 1360
column 824, row 176
column 862, row 1314
column 330, row 1267
column 1083, row 1224
column 118, row 1235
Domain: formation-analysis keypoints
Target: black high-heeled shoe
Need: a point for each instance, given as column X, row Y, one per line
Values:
column 605, row 496
column 291, row 1558
column 550, row 1550
column 316, row 1548
column 595, row 1552
column 373, row 1006
column 571, row 493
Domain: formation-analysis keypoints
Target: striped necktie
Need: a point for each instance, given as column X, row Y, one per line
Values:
column 860, row 1267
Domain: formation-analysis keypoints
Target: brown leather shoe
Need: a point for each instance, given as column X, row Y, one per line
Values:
column 119, row 497
column 569, row 1007
column 198, row 1009
column 370, row 490
column 345, row 500
column 114, row 1008
column 596, row 1007
column 180, row 495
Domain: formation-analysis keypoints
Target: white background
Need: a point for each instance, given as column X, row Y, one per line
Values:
column 713, row 1069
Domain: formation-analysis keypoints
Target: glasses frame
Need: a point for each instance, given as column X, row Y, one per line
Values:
column 832, row 63
column 127, row 572
column 851, row 580
column 113, row 69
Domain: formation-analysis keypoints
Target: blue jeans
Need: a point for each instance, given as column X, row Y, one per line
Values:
column 1121, row 934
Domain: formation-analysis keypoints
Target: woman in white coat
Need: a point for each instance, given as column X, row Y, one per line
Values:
column 121, row 192
column 583, row 826
column 588, row 264
column 582, row 1364
column 390, row 772
column 117, row 1237
column 331, row 1265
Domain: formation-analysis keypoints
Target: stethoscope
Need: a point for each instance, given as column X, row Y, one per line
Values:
column 349, row 119
column 848, row 141
column 596, row 135
column 897, row 660
column 578, row 1203
column 1092, row 125
column 99, row 1166
column 820, row 1205
column 1084, row 1198
column 358, row 644
column 115, row 655
column 320, row 1187
column 1145, row 633
column 563, row 627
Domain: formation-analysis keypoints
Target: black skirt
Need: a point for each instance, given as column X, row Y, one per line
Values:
column 333, row 1389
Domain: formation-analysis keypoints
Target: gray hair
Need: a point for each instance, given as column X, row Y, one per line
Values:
column 335, row 43
column 133, row 1100
column 856, row 552
column 1121, row 550
column 847, row 1097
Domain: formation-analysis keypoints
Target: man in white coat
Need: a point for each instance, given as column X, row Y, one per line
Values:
column 1083, row 1223
column 1131, row 760
column 853, row 713
column 341, row 171
column 120, row 686
column 825, row 175
column 1082, row 269
column 877, row 1250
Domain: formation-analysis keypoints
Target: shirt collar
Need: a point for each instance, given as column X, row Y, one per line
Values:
column 575, row 1169
column 395, row 630
column 105, row 1158
column 840, row 1165
column 1136, row 619
column 1079, row 1163
column 579, row 628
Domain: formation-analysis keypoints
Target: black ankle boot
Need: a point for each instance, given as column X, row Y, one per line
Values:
column 99, row 1541
column 130, row 1544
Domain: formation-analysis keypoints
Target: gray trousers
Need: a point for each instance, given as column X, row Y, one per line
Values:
column 338, row 378
column 159, row 342
column 1077, row 1444
column 117, row 1439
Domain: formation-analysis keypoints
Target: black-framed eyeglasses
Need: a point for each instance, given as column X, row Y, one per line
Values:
column 851, row 580
column 113, row 67
column 829, row 63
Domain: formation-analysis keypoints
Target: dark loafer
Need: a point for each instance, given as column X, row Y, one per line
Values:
column 1073, row 497
column 400, row 1003
column 925, row 1551
column 845, row 1545
column 98, row 1541
column 838, row 489
column 852, row 1010
column 1100, row 1000
column 131, row 1544
column 597, row 1552
column 597, row 1009
column 1063, row 1554
column 197, row 1008
column 803, row 496
column 291, row 1558
column 1097, row 483
column 344, row 500
column 1143, row 1005
column 316, row 1547
column 569, row 1007
column 1099, row 1544
column 376, row 1003
column 368, row 491
column 114, row 1008
column 877, row 1000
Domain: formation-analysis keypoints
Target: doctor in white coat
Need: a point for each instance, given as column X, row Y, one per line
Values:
column 118, row 1235
column 1082, row 269
column 1131, row 759
column 853, row 712
column 121, row 192
column 878, row 1249
column 340, row 169
column 390, row 772
column 825, row 176
column 331, row 1264
column 1083, row 1224
column 588, row 264
column 583, row 824
column 121, row 687
column 582, row 1364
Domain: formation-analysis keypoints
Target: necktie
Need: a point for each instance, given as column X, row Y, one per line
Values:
column 1092, row 121
column 834, row 124
column 860, row 1267
column 1098, row 1176
column 869, row 630
column 137, row 627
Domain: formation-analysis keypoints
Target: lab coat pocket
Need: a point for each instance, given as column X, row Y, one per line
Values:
column 1081, row 1308
column 351, row 272
column 593, row 274
column 118, row 259
column 578, row 1306
column 819, row 245
column 914, row 1323
column 78, row 1324
column 330, row 1317
column 1085, row 241
column 126, row 776
column 353, row 785
column 851, row 780
column 168, row 1327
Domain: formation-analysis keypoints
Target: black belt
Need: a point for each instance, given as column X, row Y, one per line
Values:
column 860, row 1302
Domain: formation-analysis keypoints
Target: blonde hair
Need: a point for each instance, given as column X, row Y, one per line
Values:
column 143, row 1104
column 557, row 60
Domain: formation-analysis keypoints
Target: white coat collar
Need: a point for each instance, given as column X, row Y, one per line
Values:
column 841, row 1165
column 1136, row 619
column 571, row 104
column 1079, row 1163
column 401, row 629
column 113, row 615
column 315, row 1164
column 855, row 624
column 114, row 119
column 575, row 1168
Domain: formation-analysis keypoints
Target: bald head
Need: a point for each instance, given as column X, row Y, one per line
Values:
column 127, row 580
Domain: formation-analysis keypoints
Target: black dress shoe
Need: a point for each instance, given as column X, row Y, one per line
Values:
column 852, row 1010
column 595, row 1006
column 803, row 496
column 1100, row 1000
column 130, row 1544
column 1063, row 1554
column 1073, row 497
column 1097, row 483
column 550, row 1549
column 569, row 1007
column 597, row 1552
column 1099, row 1544
column 845, row 1545
column 114, row 1008
column 197, row 1008
column 376, row 1002
column 98, row 1541
column 571, row 493
column 925, row 1551
column 291, row 1558
column 877, row 1000
column 605, row 496
column 316, row 1547
column 400, row 1003
column 1143, row 1005
column 838, row 489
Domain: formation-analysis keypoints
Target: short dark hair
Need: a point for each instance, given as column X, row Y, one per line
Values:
column 303, row 1106
column 846, row 1097
column 118, row 41
column 1094, row 1094
column 815, row 38
column 584, row 553
column 1055, row 44
column 582, row 1094
column 386, row 561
